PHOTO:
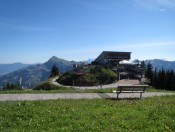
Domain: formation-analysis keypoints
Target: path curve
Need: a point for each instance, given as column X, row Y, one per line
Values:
column 54, row 81
column 113, row 85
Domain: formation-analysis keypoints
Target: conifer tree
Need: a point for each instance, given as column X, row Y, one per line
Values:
column 143, row 66
column 54, row 71
column 155, row 78
column 172, row 81
column 149, row 73
column 161, row 79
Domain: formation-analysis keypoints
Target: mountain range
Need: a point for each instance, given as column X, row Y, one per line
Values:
column 159, row 64
column 8, row 68
column 33, row 74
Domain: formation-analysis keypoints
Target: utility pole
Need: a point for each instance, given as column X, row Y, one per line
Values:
column 20, row 82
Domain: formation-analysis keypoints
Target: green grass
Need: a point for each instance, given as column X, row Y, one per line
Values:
column 149, row 114
column 151, row 89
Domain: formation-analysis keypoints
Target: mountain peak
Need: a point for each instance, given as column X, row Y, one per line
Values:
column 53, row 58
column 56, row 61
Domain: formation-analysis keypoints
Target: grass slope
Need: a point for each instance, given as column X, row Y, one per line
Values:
column 92, row 76
column 150, row 114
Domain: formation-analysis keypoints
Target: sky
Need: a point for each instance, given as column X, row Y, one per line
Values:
column 32, row 31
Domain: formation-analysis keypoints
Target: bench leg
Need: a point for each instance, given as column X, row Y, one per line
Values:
column 117, row 95
column 140, row 95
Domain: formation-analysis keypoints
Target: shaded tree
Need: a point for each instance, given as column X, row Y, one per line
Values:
column 161, row 79
column 143, row 65
column 149, row 73
column 172, row 80
column 155, row 78
column 54, row 71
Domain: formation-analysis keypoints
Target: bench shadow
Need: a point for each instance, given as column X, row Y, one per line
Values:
column 119, row 99
column 105, row 96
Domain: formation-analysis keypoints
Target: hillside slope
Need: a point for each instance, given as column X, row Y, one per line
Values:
column 34, row 74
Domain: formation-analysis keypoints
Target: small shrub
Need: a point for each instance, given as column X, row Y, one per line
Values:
column 46, row 86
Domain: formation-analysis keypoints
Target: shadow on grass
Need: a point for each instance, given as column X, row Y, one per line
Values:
column 119, row 99
column 105, row 96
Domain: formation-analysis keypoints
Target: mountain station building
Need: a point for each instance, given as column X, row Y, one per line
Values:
column 112, row 57
column 119, row 62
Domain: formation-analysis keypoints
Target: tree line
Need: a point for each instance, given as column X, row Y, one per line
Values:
column 162, row 79
column 11, row 86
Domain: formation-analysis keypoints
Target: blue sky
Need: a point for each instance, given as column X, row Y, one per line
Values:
column 32, row 31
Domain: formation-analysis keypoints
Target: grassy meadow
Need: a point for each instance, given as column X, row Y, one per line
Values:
column 147, row 114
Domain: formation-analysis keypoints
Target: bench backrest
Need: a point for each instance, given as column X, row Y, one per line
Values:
column 132, row 88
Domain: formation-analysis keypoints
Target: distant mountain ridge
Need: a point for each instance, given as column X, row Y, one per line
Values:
column 34, row 74
column 89, row 60
column 159, row 64
column 8, row 68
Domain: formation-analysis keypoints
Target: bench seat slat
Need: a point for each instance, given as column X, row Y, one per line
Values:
column 129, row 92
column 131, row 89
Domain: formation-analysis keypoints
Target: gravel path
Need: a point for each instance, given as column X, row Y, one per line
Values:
column 113, row 85
column 22, row 97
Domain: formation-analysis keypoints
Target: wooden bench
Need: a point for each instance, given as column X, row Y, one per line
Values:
column 131, row 89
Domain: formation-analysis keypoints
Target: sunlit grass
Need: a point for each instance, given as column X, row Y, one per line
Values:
column 149, row 114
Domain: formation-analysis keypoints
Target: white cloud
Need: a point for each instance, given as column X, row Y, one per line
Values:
column 161, row 5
